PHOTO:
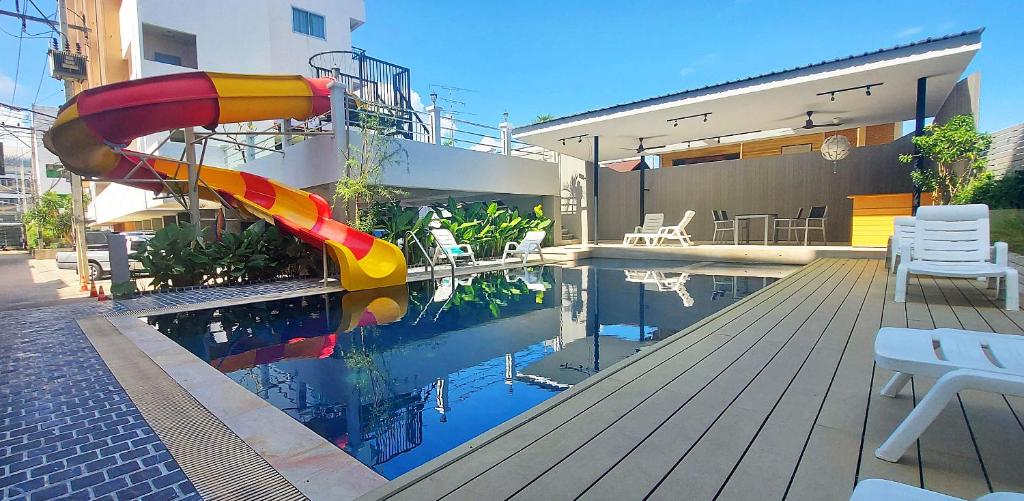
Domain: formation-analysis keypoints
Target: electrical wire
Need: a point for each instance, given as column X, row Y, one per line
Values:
column 17, row 67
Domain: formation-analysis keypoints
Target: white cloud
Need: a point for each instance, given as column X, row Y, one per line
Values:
column 698, row 63
column 7, row 85
column 488, row 145
column 417, row 102
column 909, row 32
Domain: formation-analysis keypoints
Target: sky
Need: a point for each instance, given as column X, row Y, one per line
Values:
column 560, row 57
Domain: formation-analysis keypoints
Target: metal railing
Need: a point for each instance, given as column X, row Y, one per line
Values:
column 410, row 236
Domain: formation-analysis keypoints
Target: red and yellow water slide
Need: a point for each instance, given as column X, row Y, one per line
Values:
column 92, row 131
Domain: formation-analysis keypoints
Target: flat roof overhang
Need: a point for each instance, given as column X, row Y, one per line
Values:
column 771, row 105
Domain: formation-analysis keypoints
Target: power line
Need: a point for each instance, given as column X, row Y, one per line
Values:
column 17, row 67
column 26, row 110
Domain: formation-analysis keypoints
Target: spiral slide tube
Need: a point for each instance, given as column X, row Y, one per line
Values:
column 92, row 130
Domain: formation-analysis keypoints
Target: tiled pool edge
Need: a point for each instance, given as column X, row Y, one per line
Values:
column 315, row 467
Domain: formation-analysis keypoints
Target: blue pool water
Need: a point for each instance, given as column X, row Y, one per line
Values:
column 399, row 376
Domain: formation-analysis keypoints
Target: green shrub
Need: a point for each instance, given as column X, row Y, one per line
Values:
column 1003, row 193
column 177, row 256
column 1009, row 229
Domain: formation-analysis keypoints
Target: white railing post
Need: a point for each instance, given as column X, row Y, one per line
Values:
column 250, row 147
column 434, row 116
column 506, row 136
column 285, row 124
column 342, row 139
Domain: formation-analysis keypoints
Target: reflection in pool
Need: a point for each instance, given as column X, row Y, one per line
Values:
column 398, row 376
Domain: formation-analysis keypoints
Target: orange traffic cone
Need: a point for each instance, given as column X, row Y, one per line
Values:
column 92, row 290
column 102, row 295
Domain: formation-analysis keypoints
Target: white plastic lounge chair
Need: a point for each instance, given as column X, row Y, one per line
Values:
column 450, row 249
column 662, row 283
column 903, row 228
column 677, row 232
column 874, row 489
column 962, row 360
column 648, row 233
column 953, row 241
column 530, row 244
column 533, row 278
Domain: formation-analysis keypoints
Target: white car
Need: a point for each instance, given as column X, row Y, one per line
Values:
column 98, row 255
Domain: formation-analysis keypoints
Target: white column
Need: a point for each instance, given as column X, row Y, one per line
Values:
column 506, row 137
column 285, row 125
column 434, row 114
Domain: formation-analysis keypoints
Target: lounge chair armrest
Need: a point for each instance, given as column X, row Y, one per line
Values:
column 638, row 229
column 1002, row 253
column 906, row 251
column 511, row 246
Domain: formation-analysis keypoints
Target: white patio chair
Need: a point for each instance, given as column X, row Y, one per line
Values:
column 448, row 248
column 788, row 224
column 530, row 245
column 903, row 228
column 533, row 278
column 961, row 360
column 953, row 241
column 874, row 489
column 677, row 232
column 648, row 233
column 723, row 224
column 815, row 221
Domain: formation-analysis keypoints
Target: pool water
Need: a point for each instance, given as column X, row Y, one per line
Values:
column 399, row 376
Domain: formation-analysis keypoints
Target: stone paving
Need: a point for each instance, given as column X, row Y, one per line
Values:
column 68, row 429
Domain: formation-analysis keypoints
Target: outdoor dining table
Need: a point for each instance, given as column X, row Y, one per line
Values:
column 767, row 224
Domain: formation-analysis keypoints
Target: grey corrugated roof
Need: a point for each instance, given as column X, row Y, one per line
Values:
column 674, row 95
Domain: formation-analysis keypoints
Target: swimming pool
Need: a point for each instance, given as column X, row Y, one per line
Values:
column 398, row 376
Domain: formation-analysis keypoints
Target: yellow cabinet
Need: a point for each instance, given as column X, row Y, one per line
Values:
column 873, row 216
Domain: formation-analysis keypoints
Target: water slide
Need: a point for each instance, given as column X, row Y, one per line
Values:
column 93, row 130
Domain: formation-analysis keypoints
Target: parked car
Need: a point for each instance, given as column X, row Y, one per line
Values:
column 98, row 254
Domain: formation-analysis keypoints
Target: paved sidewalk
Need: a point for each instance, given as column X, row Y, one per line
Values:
column 67, row 428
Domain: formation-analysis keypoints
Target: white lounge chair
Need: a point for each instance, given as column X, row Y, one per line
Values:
column 953, row 241
column 648, row 233
column 903, row 228
column 531, row 244
column 874, row 489
column 962, row 360
column 448, row 248
column 677, row 232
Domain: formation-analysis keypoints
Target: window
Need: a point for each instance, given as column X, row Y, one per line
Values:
column 160, row 57
column 308, row 23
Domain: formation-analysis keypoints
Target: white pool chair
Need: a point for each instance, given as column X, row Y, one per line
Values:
column 953, row 241
column 648, row 233
column 677, row 232
column 532, row 278
column 530, row 245
column 961, row 360
column 448, row 248
column 874, row 489
column 903, row 228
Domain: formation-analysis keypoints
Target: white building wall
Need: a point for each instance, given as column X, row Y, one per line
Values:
column 313, row 162
column 235, row 36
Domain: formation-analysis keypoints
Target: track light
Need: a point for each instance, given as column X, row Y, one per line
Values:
column 867, row 91
column 833, row 97
column 675, row 124
column 580, row 140
column 705, row 118
column 675, row 121
column 563, row 142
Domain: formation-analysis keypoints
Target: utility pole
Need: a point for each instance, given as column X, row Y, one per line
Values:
column 77, row 190
column 193, row 179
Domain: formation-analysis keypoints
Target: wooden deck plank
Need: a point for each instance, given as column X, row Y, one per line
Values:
column 654, row 458
column 828, row 466
column 883, row 414
column 450, row 475
column 725, row 350
column 775, row 397
column 950, row 461
column 998, row 434
column 767, row 466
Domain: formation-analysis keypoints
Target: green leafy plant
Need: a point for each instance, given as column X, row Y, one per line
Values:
column 49, row 222
column 1009, row 229
column 122, row 290
column 543, row 117
column 1006, row 192
column 177, row 256
column 958, row 150
column 360, row 185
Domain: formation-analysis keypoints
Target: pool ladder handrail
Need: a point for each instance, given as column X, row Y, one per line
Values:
column 423, row 250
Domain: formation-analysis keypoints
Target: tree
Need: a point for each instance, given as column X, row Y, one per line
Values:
column 50, row 219
column 544, row 117
column 958, row 150
column 361, row 179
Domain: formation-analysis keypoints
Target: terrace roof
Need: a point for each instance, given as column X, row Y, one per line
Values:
column 770, row 105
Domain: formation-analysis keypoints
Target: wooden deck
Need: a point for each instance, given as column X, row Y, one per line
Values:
column 775, row 397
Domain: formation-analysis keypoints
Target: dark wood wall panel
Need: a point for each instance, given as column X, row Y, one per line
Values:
column 779, row 184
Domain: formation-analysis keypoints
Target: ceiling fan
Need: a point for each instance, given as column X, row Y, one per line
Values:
column 640, row 149
column 809, row 123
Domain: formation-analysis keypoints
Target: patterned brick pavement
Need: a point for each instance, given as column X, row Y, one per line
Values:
column 67, row 428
